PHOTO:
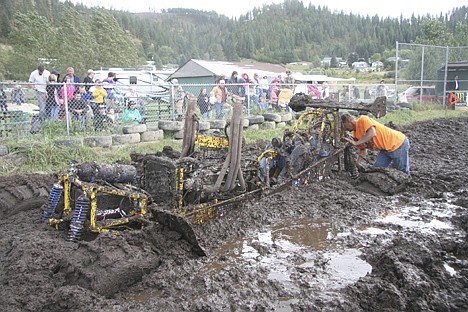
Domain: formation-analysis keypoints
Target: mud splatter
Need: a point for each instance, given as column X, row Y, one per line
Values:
column 327, row 246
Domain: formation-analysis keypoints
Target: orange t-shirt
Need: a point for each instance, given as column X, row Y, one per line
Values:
column 386, row 138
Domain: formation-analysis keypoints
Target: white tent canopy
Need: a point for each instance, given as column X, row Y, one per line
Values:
column 320, row 78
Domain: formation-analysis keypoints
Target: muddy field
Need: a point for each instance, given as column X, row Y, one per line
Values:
column 326, row 246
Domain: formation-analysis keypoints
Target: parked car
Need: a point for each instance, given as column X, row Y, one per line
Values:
column 425, row 94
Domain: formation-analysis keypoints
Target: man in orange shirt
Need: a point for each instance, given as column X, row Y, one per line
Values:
column 393, row 146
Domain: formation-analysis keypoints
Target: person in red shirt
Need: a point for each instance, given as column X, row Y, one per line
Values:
column 393, row 146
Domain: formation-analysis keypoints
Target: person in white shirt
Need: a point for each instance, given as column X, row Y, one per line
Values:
column 39, row 77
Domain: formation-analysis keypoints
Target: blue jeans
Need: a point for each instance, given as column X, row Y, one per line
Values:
column 399, row 158
column 206, row 115
column 219, row 110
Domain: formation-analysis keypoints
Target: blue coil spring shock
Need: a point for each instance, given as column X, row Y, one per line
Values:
column 52, row 201
column 79, row 218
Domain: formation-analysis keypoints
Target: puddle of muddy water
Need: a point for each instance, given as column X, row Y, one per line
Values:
column 427, row 216
column 296, row 249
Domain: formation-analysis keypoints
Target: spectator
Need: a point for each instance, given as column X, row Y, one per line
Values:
column 314, row 92
column 325, row 91
column 89, row 80
column 78, row 107
column 109, row 82
column 344, row 94
column 381, row 89
column 289, row 80
column 249, row 90
column 236, row 85
column 220, row 93
column 52, row 97
column 203, row 102
column 101, row 120
column 39, row 77
column 133, row 95
column 263, row 85
column 356, row 93
column 68, row 89
column 3, row 100
column 73, row 79
column 98, row 94
column 18, row 95
column 131, row 115
column 366, row 93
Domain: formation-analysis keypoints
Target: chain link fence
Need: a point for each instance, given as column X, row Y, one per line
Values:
column 26, row 112
column 426, row 72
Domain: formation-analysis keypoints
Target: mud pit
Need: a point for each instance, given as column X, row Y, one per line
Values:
column 327, row 246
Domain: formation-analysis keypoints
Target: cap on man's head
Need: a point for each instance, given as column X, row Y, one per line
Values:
column 90, row 71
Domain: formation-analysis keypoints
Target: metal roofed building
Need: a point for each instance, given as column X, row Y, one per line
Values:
column 207, row 72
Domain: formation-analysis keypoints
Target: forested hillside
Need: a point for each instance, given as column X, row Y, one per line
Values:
column 65, row 34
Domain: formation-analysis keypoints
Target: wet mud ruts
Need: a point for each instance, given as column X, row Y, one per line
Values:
column 412, row 247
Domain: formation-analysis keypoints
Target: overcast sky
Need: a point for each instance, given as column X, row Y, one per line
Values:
column 234, row 8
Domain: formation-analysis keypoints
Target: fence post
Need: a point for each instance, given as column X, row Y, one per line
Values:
column 445, row 78
column 396, row 74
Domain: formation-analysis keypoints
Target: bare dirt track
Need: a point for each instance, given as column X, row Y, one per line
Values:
column 326, row 246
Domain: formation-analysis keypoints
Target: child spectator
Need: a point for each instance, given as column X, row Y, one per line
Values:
column 131, row 115
column 18, row 95
column 78, row 109
column 53, row 100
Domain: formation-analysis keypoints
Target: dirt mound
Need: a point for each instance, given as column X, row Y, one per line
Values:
column 328, row 246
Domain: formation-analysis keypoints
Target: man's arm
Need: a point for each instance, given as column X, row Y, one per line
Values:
column 365, row 138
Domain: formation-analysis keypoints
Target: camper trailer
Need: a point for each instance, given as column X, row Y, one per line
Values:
column 147, row 82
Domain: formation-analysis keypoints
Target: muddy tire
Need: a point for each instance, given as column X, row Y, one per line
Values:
column 23, row 192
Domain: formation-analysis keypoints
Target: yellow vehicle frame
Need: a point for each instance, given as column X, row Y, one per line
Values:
column 92, row 190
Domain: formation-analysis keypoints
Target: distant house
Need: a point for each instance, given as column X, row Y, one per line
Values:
column 326, row 61
column 361, row 67
column 207, row 72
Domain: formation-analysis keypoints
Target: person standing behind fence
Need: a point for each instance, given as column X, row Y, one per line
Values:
column 203, row 102
column 235, row 84
column 78, row 109
column 67, row 92
column 356, row 93
column 73, row 78
column 220, row 92
column 451, row 88
column 89, row 80
column 39, row 77
column 53, row 100
column 18, row 95
column 3, row 100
